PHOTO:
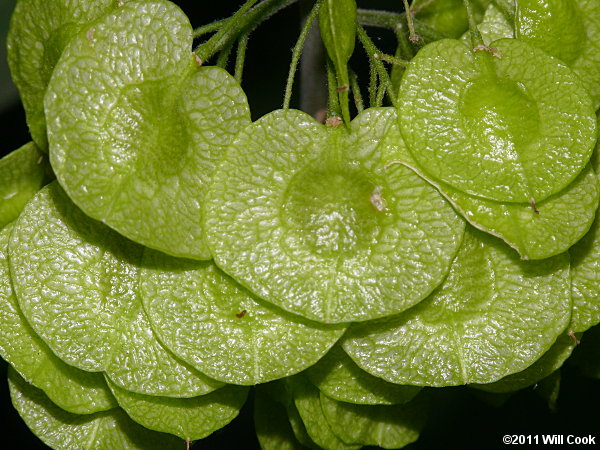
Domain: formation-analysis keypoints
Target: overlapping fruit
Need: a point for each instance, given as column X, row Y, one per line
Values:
column 186, row 256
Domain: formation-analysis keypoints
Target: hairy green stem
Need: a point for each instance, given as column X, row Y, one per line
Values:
column 476, row 38
column 209, row 28
column 412, row 35
column 223, row 58
column 219, row 41
column 240, row 57
column 380, row 19
column 297, row 52
column 356, row 94
column 372, row 83
column 244, row 20
column 394, row 21
column 391, row 59
column 313, row 69
column 371, row 50
column 334, row 101
column 380, row 95
column 404, row 47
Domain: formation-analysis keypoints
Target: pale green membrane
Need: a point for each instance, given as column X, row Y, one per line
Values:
column 271, row 424
column 21, row 176
column 308, row 402
column 63, row 430
column 39, row 32
column 494, row 126
column 493, row 316
column 76, row 284
column 549, row 362
column 568, row 30
column 387, row 426
column 585, row 280
column 448, row 17
column 549, row 389
column 281, row 392
column 561, row 220
column 220, row 328
column 189, row 418
column 338, row 377
column 493, row 26
column 585, row 273
column 72, row 389
column 298, row 427
column 135, row 141
column 307, row 218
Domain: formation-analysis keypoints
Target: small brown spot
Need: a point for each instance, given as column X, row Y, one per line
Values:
column 572, row 335
column 119, row 4
column 414, row 38
column 490, row 50
column 343, row 88
column 334, row 122
column 241, row 314
column 532, row 203
column 198, row 60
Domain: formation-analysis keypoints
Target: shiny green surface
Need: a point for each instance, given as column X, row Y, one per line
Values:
column 65, row 431
column 493, row 126
column 76, row 283
column 493, row 316
column 218, row 327
column 137, row 154
column 307, row 218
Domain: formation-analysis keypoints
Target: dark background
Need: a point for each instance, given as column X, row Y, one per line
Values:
column 459, row 418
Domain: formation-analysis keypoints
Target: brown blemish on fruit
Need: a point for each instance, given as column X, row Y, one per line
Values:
column 532, row 203
column 490, row 50
column 241, row 314
column 572, row 335
column 334, row 122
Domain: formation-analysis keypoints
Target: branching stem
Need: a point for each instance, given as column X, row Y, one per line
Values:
column 412, row 35
column 371, row 50
column 394, row 21
column 476, row 39
column 243, row 21
column 297, row 53
column 219, row 40
column 209, row 28
column 391, row 59
column 224, row 56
